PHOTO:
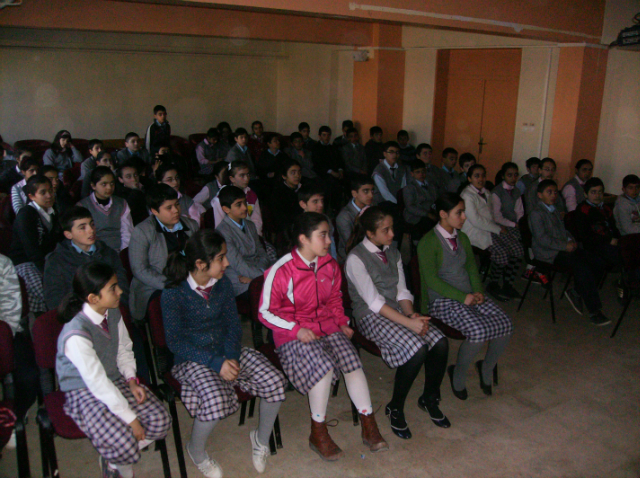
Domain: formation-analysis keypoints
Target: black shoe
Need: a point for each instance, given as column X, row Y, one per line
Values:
column 494, row 290
column 509, row 291
column 436, row 415
column 485, row 388
column 399, row 425
column 599, row 319
column 459, row 394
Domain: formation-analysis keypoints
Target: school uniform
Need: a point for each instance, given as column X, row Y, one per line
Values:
column 419, row 198
column 449, row 272
column 150, row 246
column 451, row 179
column 137, row 202
column 297, row 294
column 18, row 197
column 237, row 153
column 61, row 265
column 35, row 233
column 309, row 143
column 306, row 161
column 327, row 160
column 340, row 141
column 203, row 330
column 86, row 168
column 271, row 163
column 253, row 203
column 285, row 205
column 484, row 232
column 207, row 193
column 354, row 157
column 525, row 181
column 63, row 160
column 507, row 205
column 113, row 220
column 376, row 278
column 245, row 253
column 389, row 180
column 573, row 193
column 346, row 222
column 531, row 198
column 206, row 152
column 256, row 146
column 627, row 214
column 189, row 208
column 596, row 228
column 125, row 155
column 375, row 155
column 102, row 404
column 158, row 134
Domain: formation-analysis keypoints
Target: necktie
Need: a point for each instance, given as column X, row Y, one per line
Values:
column 425, row 186
column 206, row 292
column 105, row 325
column 312, row 266
column 383, row 256
column 453, row 242
column 482, row 196
column 393, row 172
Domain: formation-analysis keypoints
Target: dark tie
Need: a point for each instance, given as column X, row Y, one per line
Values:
column 482, row 196
column 425, row 186
column 393, row 172
column 105, row 325
column 312, row 266
column 453, row 242
column 383, row 256
column 206, row 292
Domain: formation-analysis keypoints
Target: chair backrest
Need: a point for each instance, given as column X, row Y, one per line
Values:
column 45, row 334
column 76, row 190
column 124, row 258
column 416, row 286
column 255, row 291
column 6, row 349
column 156, row 324
column 196, row 138
column 82, row 145
column 6, row 236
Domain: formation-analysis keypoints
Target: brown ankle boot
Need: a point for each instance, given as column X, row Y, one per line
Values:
column 371, row 435
column 322, row 444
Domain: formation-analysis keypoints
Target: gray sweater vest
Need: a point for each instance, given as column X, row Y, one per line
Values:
column 384, row 277
column 452, row 270
column 105, row 345
column 185, row 203
column 394, row 185
column 580, row 195
column 107, row 224
column 508, row 201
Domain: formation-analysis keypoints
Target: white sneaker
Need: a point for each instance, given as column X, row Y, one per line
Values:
column 259, row 452
column 11, row 444
column 208, row 467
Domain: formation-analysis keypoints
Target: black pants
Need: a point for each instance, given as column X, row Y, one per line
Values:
column 26, row 380
column 588, row 269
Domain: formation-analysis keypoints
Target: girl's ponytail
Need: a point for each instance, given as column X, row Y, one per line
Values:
column 176, row 269
column 367, row 221
column 89, row 279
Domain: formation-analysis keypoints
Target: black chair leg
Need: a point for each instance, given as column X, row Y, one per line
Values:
column 566, row 286
column 526, row 290
column 276, row 429
column 177, row 437
column 272, row 445
column 22, row 450
column 550, row 287
column 495, row 375
column 44, row 458
column 354, row 414
column 161, row 445
column 146, row 344
column 624, row 311
column 252, row 407
column 243, row 413
column 335, row 388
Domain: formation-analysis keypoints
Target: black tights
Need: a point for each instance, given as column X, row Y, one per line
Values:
column 435, row 363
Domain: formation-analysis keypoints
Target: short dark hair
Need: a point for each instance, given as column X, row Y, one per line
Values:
column 390, row 144
column 422, row 146
column 542, row 185
column 160, row 193
column 223, row 125
column 94, row 142
column 532, row 161
column 360, row 180
column 465, row 158
column 347, row 124
column 158, row 108
column 375, row 130
column 287, row 164
column 295, row 136
column 256, row 123
column 164, row 168
column 33, row 182
column 47, row 168
column 583, row 162
column 102, row 154
column 269, row 137
column 416, row 164
column 630, row 179
column 303, row 125
column 127, row 164
column 548, row 160
column 100, row 172
column 509, row 165
column 473, row 168
column 592, row 183
column 130, row 135
column 29, row 163
column 324, row 129
column 213, row 133
column 309, row 190
column 402, row 133
column 73, row 214
column 230, row 194
column 447, row 151
column 240, row 132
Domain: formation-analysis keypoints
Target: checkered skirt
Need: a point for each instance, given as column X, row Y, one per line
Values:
column 33, row 282
column 306, row 364
column 506, row 245
column 110, row 436
column 272, row 254
column 207, row 396
column 396, row 342
column 478, row 323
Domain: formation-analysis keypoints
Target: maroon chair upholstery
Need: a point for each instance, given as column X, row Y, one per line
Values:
column 32, row 144
column 6, row 350
column 76, row 190
column 192, row 188
column 196, row 138
column 82, row 145
column 124, row 258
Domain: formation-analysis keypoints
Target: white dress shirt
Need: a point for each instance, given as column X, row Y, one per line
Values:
column 194, row 285
column 358, row 276
column 446, row 234
column 79, row 350
column 381, row 184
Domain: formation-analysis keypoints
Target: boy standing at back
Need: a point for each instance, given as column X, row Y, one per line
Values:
column 298, row 152
column 419, row 196
column 353, row 154
column 207, row 152
column 407, row 151
column 305, row 130
column 158, row 132
column 343, row 139
column 466, row 160
column 373, row 148
column 362, row 188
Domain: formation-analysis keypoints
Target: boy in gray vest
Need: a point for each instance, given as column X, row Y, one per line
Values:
column 362, row 189
column 572, row 191
column 419, row 196
column 533, row 169
column 389, row 176
column 507, row 201
column 451, row 177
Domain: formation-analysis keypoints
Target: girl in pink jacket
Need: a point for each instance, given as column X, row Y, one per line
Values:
column 302, row 303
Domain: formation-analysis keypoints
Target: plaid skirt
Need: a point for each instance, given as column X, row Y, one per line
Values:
column 396, row 342
column 306, row 364
column 272, row 254
column 207, row 396
column 110, row 436
column 33, row 282
column 478, row 323
column 504, row 246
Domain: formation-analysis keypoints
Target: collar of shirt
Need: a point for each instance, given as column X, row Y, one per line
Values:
column 371, row 247
column 92, row 314
column 445, row 233
column 91, row 250
column 274, row 154
column 479, row 191
column 580, row 181
column 422, row 183
column 507, row 186
column 106, row 207
column 550, row 208
column 194, row 285
column 22, row 183
column 43, row 212
column 18, row 170
column 353, row 201
column 306, row 261
column 176, row 228
column 239, row 224
column 634, row 201
column 448, row 170
column 599, row 206
column 242, row 148
column 389, row 166
column 132, row 152
column 287, row 186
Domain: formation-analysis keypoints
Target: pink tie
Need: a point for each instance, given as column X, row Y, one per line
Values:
column 383, row 256
column 105, row 325
column 205, row 292
column 453, row 242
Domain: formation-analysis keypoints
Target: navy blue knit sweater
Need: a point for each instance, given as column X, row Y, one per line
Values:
column 197, row 333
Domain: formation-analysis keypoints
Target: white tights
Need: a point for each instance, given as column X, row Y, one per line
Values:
column 357, row 387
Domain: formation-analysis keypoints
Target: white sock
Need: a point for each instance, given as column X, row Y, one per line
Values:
column 358, row 389
column 319, row 398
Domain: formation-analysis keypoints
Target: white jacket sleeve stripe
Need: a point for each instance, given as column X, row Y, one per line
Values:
column 266, row 296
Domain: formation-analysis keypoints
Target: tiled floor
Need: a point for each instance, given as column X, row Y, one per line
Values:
column 567, row 406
